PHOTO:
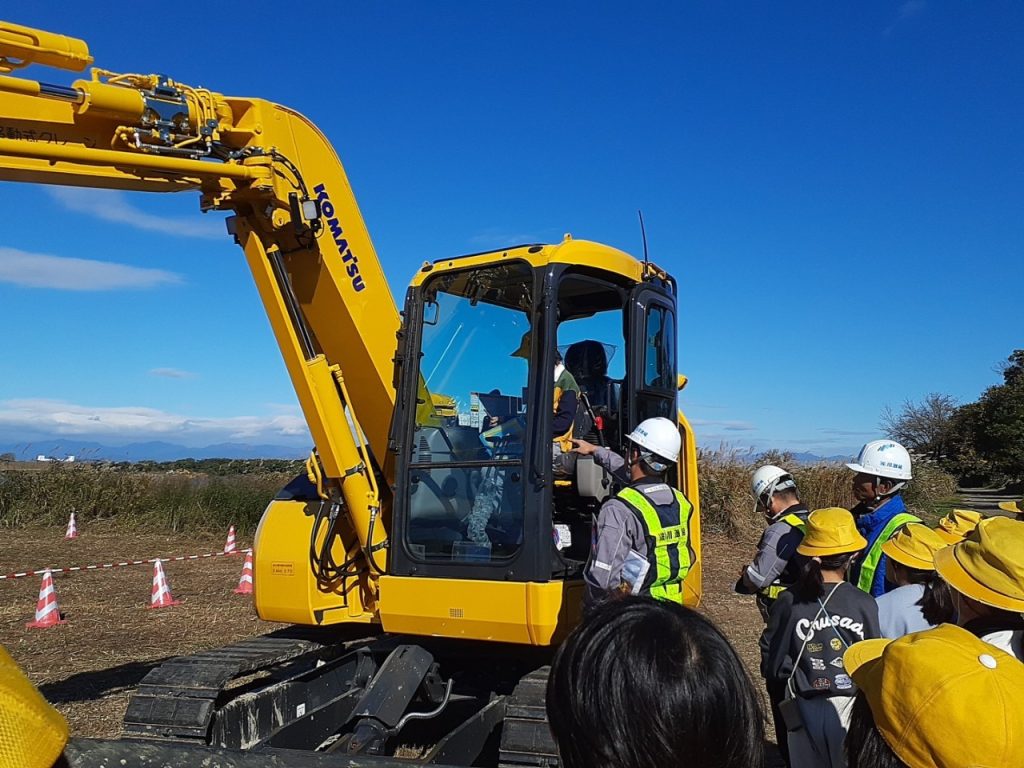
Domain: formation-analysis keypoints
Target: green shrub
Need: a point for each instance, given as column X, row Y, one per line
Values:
column 178, row 501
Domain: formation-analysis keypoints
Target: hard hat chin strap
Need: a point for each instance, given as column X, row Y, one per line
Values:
column 651, row 461
column 896, row 488
column 766, row 500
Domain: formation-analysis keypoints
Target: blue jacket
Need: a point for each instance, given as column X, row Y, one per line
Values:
column 871, row 525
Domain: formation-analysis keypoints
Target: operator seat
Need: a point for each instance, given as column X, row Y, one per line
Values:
column 588, row 363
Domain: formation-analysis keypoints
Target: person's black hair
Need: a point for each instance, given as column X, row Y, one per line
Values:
column 810, row 586
column 937, row 601
column 788, row 493
column 865, row 747
column 916, row 575
column 643, row 682
column 558, row 357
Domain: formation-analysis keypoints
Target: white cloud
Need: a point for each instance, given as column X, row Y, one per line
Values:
column 172, row 373
column 39, row 270
column 112, row 205
column 727, row 425
column 131, row 423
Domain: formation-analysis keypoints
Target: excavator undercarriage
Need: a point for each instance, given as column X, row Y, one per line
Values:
column 358, row 695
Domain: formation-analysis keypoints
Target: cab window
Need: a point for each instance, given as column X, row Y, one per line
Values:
column 465, row 490
column 660, row 349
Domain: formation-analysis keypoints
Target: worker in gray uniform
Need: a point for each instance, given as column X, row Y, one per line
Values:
column 642, row 542
column 773, row 568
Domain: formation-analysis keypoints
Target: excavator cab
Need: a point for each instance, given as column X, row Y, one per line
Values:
column 491, row 501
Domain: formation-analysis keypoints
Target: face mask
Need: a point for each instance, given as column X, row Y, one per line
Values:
column 559, row 368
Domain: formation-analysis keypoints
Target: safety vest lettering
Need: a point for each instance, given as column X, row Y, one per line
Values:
column 670, row 534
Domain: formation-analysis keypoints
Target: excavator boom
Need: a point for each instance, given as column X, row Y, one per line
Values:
column 295, row 216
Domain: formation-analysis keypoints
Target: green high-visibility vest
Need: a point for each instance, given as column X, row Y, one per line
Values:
column 668, row 544
column 874, row 555
column 796, row 521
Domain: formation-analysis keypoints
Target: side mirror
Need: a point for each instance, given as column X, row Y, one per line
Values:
column 681, row 382
column 429, row 306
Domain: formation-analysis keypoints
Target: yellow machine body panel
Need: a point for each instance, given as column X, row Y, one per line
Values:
column 686, row 481
column 285, row 588
column 530, row 613
column 570, row 251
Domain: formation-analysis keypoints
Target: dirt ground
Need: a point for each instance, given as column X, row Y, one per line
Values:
column 88, row 667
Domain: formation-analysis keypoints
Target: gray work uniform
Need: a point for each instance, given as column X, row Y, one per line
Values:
column 776, row 549
column 618, row 530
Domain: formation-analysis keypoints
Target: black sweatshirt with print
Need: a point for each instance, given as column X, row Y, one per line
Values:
column 852, row 616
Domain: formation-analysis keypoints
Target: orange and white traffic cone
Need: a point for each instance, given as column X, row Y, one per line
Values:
column 229, row 545
column 47, row 612
column 161, row 596
column 245, row 582
column 72, row 528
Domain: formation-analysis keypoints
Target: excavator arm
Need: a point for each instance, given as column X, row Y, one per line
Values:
column 295, row 217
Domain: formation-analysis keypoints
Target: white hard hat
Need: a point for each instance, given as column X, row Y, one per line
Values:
column 659, row 436
column 769, row 479
column 883, row 458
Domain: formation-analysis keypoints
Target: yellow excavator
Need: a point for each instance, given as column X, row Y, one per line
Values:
column 431, row 556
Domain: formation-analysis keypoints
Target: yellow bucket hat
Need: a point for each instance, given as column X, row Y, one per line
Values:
column 831, row 531
column 32, row 733
column 929, row 692
column 989, row 565
column 958, row 524
column 1013, row 507
column 914, row 546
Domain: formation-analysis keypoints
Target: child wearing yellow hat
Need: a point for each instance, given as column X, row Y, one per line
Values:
column 986, row 574
column 911, row 552
column 935, row 699
column 1015, row 508
column 809, row 627
column 958, row 524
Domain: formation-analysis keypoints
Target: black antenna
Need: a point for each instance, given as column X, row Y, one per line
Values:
column 643, row 234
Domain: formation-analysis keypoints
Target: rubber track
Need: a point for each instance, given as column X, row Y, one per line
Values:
column 526, row 738
column 177, row 700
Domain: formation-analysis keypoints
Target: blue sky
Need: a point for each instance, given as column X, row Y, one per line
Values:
column 837, row 187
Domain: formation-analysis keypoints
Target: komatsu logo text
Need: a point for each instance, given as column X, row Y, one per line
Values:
column 348, row 258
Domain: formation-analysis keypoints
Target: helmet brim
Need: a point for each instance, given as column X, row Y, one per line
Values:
column 859, row 469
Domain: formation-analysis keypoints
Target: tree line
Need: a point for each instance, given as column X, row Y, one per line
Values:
column 980, row 442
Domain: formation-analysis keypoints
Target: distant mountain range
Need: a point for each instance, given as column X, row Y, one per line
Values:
column 84, row 450
column 813, row 458
column 155, row 450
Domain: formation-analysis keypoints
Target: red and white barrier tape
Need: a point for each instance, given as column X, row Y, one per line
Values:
column 122, row 564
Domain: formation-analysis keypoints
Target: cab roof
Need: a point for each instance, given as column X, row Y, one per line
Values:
column 576, row 252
